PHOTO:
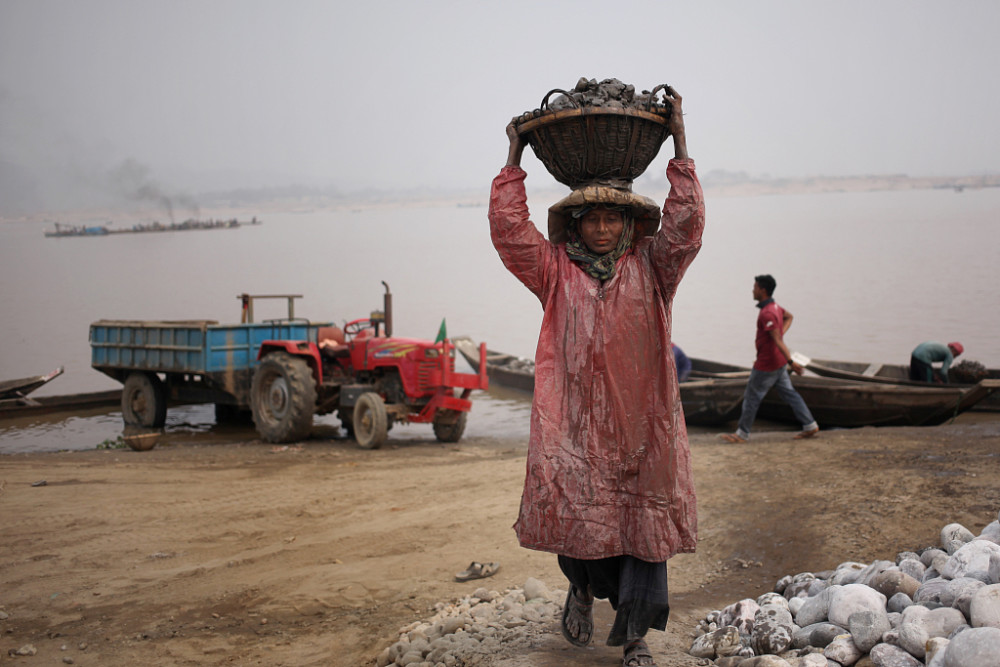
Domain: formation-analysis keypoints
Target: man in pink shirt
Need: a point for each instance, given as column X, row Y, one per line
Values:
column 769, row 370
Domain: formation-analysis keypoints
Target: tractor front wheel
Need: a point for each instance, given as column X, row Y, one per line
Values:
column 144, row 400
column 448, row 427
column 371, row 422
column 283, row 398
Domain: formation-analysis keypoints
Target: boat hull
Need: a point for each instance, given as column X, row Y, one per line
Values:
column 714, row 394
column 893, row 374
column 20, row 407
column 707, row 401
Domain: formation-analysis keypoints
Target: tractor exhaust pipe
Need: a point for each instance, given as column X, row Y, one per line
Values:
column 387, row 301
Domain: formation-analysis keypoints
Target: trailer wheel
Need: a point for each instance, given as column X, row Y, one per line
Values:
column 283, row 398
column 144, row 400
column 447, row 427
column 371, row 422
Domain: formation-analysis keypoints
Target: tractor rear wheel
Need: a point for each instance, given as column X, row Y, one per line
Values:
column 448, row 427
column 371, row 422
column 144, row 400
column 283, row 398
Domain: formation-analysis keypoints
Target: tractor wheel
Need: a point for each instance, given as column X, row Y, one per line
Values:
column 283, row 398
column 371, row 423
column 144, row 400
column 447, row 427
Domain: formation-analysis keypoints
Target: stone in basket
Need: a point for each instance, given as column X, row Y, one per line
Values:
column 598, row 133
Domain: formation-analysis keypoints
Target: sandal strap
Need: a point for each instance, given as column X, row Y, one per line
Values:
column 585, row 604
column 637, row 655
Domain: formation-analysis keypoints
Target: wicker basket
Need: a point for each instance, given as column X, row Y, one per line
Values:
column 611, row 145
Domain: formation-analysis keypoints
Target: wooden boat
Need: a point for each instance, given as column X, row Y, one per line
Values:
column 706, row 401
column 506, row 370
column 850, row 403
column 19, row 389
column 892, row 374
column 20, row 407
column 62, row 231
column 714, row 394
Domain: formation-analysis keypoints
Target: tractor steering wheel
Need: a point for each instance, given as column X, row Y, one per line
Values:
column 357, row 326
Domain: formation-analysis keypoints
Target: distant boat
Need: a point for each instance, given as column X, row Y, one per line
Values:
column 78, row 231
column 143, row 228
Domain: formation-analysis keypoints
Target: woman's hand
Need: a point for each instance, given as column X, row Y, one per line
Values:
column 676, row 123
column 516, row 146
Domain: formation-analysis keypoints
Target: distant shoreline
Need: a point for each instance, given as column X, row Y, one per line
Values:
column 716, row 184
column 752, row 187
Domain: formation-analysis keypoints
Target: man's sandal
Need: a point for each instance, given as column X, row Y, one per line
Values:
column 732, row 437
column 637, row 655
column 583, row 613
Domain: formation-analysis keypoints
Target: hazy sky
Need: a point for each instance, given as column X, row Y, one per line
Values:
column 208, row 94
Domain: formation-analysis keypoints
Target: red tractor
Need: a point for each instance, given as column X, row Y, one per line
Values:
column 371, row 379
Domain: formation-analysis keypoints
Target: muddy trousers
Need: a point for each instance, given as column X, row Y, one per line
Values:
column 758, row 385
column 637, row 591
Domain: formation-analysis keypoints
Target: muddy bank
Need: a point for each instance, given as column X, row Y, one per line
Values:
column 246, row 553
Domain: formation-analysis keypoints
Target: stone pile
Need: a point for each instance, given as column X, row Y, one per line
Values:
column 476, row 627
column 936, row 608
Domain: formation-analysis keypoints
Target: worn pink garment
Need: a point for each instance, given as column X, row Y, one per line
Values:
column 609, row 468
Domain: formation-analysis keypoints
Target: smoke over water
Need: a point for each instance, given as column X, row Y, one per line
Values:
column 132, row 181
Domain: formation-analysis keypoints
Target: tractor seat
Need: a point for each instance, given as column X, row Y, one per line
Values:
column 335, row 335
column 332, row 343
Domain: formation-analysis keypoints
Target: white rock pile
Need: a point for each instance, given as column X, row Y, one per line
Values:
column 479, row 625
column 936, row 608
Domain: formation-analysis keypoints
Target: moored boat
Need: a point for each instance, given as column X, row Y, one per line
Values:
column 12, row 408
column 898, row 374
column 20, row 388
column 706, row 401
column 843, row 402
column 15, row 401
column 714, row 394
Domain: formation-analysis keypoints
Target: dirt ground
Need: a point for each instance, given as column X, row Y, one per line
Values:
column 235, row 552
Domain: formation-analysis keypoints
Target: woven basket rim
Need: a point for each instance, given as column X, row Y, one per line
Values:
column 549, row 117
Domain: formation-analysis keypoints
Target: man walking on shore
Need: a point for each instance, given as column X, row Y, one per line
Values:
column 769, row 369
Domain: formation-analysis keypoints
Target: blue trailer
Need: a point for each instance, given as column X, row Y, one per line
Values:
column 185, row 362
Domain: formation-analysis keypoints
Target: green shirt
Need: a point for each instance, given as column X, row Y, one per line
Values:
column 931, row 352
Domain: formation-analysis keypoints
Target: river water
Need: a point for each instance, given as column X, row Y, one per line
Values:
column 867, row 275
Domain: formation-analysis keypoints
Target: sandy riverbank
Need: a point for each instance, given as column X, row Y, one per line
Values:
column 243, row 553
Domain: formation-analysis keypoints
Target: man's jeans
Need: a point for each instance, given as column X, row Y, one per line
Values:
column 758, row 385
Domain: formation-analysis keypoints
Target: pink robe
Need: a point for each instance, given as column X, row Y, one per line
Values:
column 609, row 467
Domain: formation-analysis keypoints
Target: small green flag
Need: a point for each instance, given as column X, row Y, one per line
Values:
column 442, row 332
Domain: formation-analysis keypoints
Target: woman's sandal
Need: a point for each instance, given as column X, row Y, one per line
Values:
column 637, row 655
column 583, row 613
column 477, row 571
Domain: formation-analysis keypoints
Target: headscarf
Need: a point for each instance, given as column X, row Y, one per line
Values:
column 601, row 267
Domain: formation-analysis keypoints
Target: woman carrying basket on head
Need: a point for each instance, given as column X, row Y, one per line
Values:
column 608, row 485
